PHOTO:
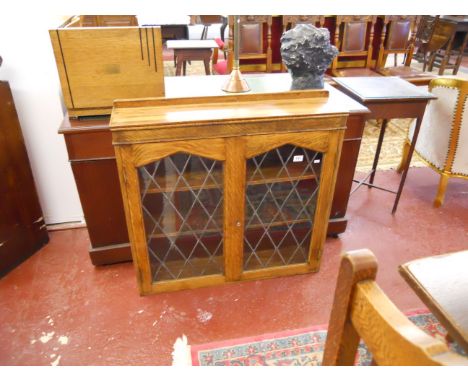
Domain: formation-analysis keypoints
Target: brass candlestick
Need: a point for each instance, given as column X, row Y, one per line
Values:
column 236, row 84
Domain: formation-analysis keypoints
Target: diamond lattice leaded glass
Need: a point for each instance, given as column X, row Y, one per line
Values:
column 182, row 202
column 281, row 194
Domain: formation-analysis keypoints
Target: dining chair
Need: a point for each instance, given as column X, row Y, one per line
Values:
column 251, row 44
column 443, row 136
column 291, row 21
column 361, row 310
column 354, row 37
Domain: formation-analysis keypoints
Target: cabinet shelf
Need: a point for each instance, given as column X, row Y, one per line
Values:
column 220, row 230
column 195, row 180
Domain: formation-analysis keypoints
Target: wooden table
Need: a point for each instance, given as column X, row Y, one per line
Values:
column 441, row 282
column 92, row 159
column 192, row 50
column 387, row 98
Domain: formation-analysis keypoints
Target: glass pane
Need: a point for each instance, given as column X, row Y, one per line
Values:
column 282, row 188
column 182, row 201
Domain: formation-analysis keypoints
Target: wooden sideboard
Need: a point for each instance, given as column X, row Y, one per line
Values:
column 92, row 158
column 227, row 188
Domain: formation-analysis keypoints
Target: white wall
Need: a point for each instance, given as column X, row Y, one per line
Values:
column 29, row 66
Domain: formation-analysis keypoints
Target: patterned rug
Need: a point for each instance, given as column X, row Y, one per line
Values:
column 302, row 347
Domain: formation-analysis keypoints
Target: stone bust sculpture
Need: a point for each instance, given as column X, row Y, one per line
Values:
column 307, row 53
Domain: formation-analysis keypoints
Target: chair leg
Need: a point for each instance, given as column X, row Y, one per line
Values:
column 404, row 157
column 439, row 200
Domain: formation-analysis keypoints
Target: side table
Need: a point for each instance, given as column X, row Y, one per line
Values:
column 192, row 50
column 387, row 98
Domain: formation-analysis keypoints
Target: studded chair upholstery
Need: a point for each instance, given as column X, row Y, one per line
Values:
column 443, row 137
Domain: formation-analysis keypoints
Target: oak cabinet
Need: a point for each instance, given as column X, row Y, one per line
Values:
column 99, row 64
column 221, row 189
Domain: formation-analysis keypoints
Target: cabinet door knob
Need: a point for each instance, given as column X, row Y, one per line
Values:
column 238, row 224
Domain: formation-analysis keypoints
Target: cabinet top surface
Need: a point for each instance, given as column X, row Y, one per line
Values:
column 200, row 100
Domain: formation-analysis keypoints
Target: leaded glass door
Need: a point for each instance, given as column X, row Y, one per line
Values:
column 281, row 194
column 178, row 190
column 287, row 178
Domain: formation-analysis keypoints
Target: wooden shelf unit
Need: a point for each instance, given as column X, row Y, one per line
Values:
column 259, row 216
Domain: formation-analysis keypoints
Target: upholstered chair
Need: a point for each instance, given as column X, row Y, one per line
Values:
column 291, row 21
column 251, row 44
column 443, row 137
column 354, row 37
column 398, row 36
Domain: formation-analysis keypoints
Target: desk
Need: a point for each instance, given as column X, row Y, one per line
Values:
column 192, row 50
column 441, row 282
column 387, row 98
column 92, row 158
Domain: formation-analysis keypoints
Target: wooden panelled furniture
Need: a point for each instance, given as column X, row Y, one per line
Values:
column 92, row 160
column 443, row 137
column 93, row 72
column 354, row 37
column 361, row 310
column 227, row 188
column 22, row 227
column 102, row 21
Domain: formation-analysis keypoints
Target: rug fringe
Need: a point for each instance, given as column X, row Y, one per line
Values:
column 181, row 355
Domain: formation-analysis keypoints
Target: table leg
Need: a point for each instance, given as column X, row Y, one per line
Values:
column 179, row 66
column 185, row 67
column 207, row 67
column 407, row 164
column 377, row 151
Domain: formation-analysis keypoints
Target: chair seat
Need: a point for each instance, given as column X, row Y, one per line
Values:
column 355, row 72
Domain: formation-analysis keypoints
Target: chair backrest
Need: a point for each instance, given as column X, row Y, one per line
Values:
column 361, row 310
column 443, row 136
column 353, row 38
column 291, row 21
column 251, row 39
column 398, row 34
column 444, row 31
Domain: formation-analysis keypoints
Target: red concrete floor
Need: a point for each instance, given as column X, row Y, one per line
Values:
column 58, row 308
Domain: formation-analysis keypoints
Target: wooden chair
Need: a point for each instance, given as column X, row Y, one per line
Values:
column 361, row 310
column 443, row 137
column 353, row 38
column 291, row 21
column 398, row 35
column 441, row 44
column 424, row 33
column 251, row 46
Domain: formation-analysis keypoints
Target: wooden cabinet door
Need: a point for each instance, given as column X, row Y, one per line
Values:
column 173, row 194
column 22, row 227
column 288, row 181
